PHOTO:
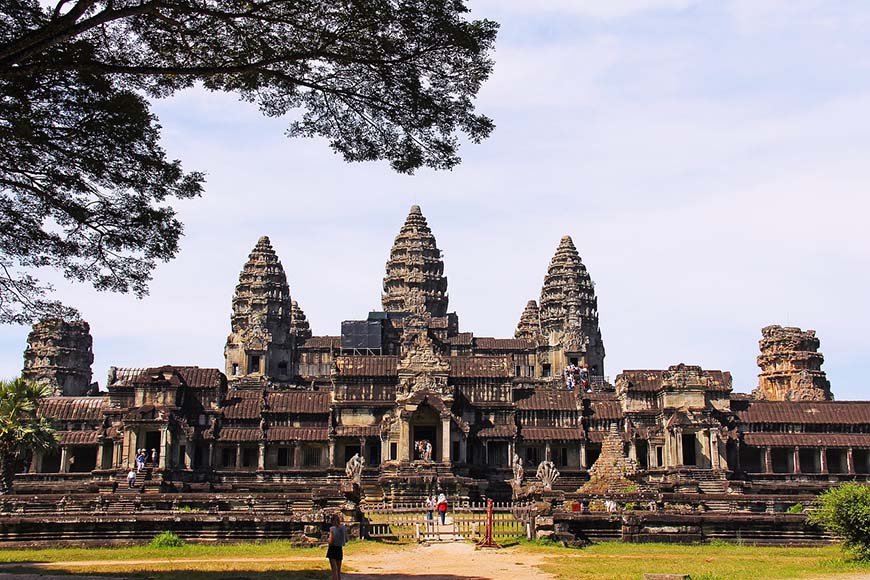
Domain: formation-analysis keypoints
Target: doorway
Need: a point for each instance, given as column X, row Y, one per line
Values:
column 425, row 433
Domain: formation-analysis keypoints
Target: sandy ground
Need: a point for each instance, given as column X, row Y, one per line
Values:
column 444, row 561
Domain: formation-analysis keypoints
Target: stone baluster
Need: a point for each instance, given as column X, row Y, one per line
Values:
column 823, row 459
column 850, row 461
column 797, row 460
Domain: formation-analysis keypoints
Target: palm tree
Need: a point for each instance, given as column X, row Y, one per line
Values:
column 21, row 429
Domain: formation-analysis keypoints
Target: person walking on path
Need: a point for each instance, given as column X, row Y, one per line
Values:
column 131, row 479
column 337, row 539
column 442, row 507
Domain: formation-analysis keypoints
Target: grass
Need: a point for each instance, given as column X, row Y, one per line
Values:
column 715, row 561
column 251, row 561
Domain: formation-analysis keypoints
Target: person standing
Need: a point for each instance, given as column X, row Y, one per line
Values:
column 131, row 479
column 442, row 507
column 430, row 507
column 337, row 539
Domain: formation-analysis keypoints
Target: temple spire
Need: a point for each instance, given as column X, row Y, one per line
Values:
column 259, row 344
column 569, row 308
column 298, row 322
column 414, row 280
column 529, row 327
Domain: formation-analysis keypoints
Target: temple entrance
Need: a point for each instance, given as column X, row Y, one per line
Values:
column 424, row 428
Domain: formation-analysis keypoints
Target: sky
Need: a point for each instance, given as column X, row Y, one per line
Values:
column 709, row 159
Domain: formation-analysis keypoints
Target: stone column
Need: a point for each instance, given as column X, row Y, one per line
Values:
column 331, row 452
column 548, row 452
column 211, row 455
column 582, row 455
column 768, row 461
column 261, row 456
column 823, row 459
column 238, row 456
column 385, row 450
column 297, row 455
column 362, row 449
column 850, row 461
column 164, row 448
column 678, row 439
column 797, row 460
column 713, row 441
column 64, row 459
column 118, row 459
column 105, row 456
column 404, row 440
column 445, row 440
column 36, row 462
column 188, row 454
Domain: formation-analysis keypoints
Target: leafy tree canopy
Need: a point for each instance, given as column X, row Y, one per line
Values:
column 845, row 512
column 85, row 186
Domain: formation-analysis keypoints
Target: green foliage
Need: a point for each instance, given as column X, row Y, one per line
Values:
column 85, row 187
column 21, row 429
column 797, row 508
column 845, row 511
column 166, row 540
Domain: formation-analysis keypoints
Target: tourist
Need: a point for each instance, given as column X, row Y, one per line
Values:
column 442, row 507
column 131, row 479
column 428, row 451
column 430, row 507
column 337, row 539
column 140, row 460
column 153, row 457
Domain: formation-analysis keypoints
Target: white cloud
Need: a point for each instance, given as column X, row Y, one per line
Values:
column 598, row 9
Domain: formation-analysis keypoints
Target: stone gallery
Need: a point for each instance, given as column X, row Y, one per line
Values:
column 403, row 404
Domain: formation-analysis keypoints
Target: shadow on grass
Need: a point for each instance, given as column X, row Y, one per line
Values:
column 26, row 572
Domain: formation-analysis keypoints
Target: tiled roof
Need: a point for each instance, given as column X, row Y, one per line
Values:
column 479, row 366
column 812, row 412
column 461, row 339
column 239, row 434
column 289, row 434
column 498, row 431
column 486, row 343
column 605, row 409
column 192, row 376
column 367, row 366
column 322, row 342
column 551, row 400
column 552, row 433
column 306, row 402
column 73, row 438
column 72, row 408
column 243, row 405
column 358, row 431
column 807, row 439
column 651, row 380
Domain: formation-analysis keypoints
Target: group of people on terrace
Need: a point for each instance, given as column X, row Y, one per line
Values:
column 576, row 375
column 424, row 450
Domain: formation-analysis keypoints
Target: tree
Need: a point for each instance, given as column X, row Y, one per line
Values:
column 21, row 429
column 844, row 511
column 85, row 186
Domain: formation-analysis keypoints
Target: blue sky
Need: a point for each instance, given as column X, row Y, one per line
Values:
column 710, row 160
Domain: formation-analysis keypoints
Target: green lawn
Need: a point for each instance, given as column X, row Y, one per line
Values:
column 718, row 561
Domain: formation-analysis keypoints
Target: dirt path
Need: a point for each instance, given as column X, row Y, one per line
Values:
column 447, row 561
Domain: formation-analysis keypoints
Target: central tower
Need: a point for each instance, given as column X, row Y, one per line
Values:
column 415, row 280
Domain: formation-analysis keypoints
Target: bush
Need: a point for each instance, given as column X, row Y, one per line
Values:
column 845, row 511
column 797, row 508
column 166, row 540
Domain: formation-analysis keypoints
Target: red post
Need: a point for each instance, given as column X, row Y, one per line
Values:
column 488, row 542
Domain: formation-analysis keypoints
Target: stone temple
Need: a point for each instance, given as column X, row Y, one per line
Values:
column 430, row 407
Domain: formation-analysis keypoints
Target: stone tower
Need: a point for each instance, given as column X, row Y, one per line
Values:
column 260, row 344
column 569, row 311
column 60, row 354
column 298, row 323
column 415, row 280
column 529, row 327
column 791, row 366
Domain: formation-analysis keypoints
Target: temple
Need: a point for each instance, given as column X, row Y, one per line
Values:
column 430, row 407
